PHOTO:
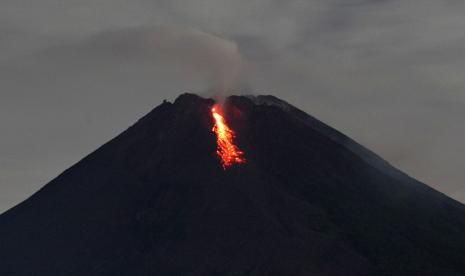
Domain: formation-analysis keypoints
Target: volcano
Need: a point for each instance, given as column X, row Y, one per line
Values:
column 305, row 200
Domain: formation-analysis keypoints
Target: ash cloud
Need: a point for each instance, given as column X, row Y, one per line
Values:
column 183, row 51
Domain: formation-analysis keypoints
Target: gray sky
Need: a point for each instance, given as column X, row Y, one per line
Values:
column 388, row 73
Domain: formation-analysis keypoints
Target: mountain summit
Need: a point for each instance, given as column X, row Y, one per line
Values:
column 305, row 200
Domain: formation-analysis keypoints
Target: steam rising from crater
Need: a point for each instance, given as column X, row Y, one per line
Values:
column 199, row 52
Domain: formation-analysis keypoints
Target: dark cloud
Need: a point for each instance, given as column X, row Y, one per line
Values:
column 388, row 73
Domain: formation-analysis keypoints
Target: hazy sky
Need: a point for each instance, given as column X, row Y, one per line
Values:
column 388, row 73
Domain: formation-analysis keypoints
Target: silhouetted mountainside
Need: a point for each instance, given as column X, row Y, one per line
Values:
column 309, row 201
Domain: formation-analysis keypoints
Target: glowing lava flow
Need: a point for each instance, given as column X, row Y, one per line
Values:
column 227, row 151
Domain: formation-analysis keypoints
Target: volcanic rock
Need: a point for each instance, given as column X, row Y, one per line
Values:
column 155, row 200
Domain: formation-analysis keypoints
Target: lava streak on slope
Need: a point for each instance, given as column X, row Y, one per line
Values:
column 226, row 149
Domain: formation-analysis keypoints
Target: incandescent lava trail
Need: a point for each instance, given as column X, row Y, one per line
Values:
column 226, row 149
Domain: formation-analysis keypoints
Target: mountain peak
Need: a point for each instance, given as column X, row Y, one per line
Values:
column 308, row 201
column 190, row 98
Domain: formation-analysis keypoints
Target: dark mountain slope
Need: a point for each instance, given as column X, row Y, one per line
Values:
column 309, row 201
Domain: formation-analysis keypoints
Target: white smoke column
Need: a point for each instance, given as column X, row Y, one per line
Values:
column 200, row 52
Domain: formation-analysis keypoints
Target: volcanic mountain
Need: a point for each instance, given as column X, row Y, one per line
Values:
column 305, row 200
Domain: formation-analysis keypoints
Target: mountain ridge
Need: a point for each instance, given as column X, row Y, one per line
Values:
column 308, row 201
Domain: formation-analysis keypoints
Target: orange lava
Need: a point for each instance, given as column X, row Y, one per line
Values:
column 227, row 150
